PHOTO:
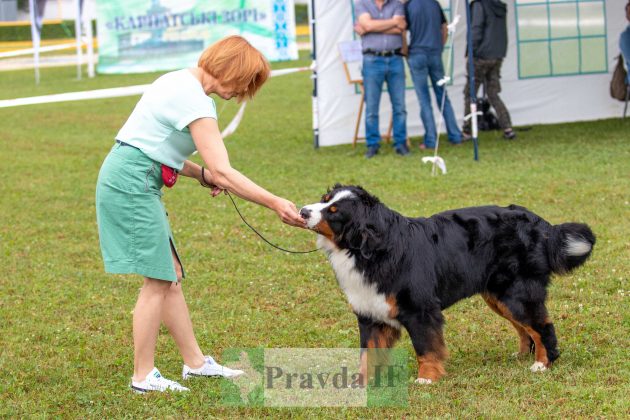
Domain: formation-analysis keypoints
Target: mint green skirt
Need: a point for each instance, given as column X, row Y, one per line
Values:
column 133, row 228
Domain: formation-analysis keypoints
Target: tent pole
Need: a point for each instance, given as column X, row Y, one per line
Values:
column 36, row 37
column 312, row 21
column 79, row 36
column 90, row 42
column 471, row 81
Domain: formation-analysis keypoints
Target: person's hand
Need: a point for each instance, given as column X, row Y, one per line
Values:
column 288, row 213
column 359, row 29
column 214, row 190
column 400, row 22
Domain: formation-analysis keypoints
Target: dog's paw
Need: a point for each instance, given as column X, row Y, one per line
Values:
column 423, row 381
column 538, row 367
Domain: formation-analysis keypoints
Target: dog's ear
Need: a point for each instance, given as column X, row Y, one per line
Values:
column 364, row 239
column 369, row 242
column 365, row 233
column 353, row 235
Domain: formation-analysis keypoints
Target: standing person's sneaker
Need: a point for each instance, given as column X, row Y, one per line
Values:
column 466, row 136
column 156, row 382
column 371, row 152
column 509, row 134
column 212, row 369
column 422, row 146
column 402, row 150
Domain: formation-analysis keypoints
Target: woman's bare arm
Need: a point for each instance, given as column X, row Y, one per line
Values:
column 207, row 137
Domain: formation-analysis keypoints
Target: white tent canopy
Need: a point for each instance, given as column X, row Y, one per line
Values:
column 558, row 67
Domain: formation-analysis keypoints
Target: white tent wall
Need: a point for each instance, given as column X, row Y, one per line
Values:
column 538, row 100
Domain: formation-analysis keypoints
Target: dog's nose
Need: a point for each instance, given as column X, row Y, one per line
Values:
column 305, row 213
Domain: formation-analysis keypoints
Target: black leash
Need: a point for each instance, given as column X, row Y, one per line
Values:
column 262, row 237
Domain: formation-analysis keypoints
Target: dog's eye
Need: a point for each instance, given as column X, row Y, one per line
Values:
column 333, row 209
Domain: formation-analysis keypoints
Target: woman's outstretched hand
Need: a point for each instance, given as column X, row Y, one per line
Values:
column 288, row 213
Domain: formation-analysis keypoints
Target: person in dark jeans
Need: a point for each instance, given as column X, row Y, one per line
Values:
column 380, row 24
column 489, row 44
column 427, row 26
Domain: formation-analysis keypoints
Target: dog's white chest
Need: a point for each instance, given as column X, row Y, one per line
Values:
column 362, row 296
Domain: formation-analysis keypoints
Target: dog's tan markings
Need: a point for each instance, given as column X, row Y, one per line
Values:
column 363, row 369
column 524, row 331
column 393, row 306
column 523, row 347
column 430, row 364
column 430, row 367
column 540, row 351
column 385, row 336
column 323, row 228
column 381, row 339
column 371, row 344
column 367, row 365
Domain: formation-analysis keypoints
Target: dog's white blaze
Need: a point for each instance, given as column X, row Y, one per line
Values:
column 576, row 246
column 363, row 297
column 316, row 209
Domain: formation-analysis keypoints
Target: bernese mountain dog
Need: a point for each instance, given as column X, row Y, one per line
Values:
column 400, row 272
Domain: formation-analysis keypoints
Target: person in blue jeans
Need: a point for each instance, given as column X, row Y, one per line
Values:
column 427, row 26
column 380, row 23
column 624, row 43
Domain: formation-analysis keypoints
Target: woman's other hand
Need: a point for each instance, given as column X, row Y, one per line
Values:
column 288, row 213
column 214, row 190
column 203, row 180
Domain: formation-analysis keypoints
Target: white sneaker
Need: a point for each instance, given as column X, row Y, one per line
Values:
column 156, row 382
column 212, row 369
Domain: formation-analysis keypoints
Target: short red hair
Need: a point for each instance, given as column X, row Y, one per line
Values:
column 234, row 62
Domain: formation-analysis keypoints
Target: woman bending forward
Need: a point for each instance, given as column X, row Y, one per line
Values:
column 174, row 117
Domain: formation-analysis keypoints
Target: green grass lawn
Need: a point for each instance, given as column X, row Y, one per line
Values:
column 65, row 326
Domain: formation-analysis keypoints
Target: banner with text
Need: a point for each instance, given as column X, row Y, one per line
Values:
column 137, row 36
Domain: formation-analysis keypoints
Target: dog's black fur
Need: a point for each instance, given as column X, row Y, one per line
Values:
column 488, row 120
column 424, row 265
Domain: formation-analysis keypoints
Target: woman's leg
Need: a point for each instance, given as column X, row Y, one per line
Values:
column 177, row 319
column 146, row 324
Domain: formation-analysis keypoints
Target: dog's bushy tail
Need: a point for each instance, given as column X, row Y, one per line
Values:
column 569, row 246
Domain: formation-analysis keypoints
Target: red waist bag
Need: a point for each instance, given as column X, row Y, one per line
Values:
column 169, row 175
